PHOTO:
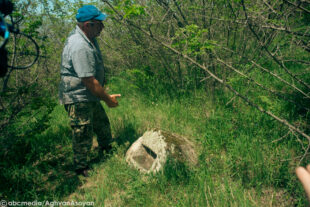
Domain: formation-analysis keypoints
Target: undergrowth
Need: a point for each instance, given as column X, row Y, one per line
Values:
column 245, row 157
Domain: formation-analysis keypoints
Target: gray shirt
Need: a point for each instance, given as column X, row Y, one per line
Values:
column 80, row 58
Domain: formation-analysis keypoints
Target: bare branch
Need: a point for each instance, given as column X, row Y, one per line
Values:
column 277, row 93
column 285, row 30
column 305, row 1
column 271, row 73
column 180, row 11
column 298, row 6
column 168, row 9
column 268, row 52
column 283, row 121
column 281, row 79
column 270, row 7
column 281, row 138
column 298, row 61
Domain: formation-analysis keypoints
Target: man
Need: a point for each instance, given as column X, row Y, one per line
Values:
column 81, row 87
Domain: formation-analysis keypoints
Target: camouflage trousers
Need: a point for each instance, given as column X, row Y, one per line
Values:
column 86, row 118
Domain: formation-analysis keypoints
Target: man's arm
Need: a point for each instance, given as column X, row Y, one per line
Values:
column 95, row 88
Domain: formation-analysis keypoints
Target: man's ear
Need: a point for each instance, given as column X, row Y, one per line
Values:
column 85, row 25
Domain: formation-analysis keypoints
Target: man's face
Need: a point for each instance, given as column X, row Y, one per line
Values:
column 94, row 28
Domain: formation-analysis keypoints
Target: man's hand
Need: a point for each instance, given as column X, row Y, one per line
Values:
column 304, row 177
column 113, row 101
column 95, row 88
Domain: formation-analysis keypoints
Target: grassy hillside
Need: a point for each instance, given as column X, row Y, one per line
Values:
column 243, row 159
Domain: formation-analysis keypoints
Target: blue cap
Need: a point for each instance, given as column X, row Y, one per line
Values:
column 89, row 12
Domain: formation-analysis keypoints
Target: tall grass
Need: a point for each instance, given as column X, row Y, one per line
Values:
column 241, row 160
column 241, row 163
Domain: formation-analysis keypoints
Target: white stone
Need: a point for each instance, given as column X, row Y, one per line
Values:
column 149, row 153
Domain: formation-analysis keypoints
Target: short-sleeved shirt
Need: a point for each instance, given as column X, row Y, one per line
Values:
column 80, row 58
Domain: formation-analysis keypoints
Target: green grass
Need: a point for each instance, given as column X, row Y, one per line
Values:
column 240, row 163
